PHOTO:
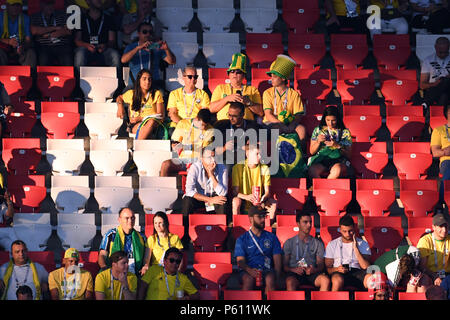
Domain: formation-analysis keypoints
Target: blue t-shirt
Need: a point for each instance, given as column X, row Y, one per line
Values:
column 245, row 247
column 13, row 27
column 445, row 284
column 141, row 61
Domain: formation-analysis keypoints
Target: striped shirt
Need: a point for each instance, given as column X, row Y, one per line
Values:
column 57, row 19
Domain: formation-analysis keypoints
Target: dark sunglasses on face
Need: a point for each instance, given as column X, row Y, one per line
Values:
column 190, row 76
column 236, row 71
column 145, row 31
column 172, row 260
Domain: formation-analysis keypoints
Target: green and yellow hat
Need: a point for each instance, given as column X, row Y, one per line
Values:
column 71, row 253
column 282, row 66
column 238, row 62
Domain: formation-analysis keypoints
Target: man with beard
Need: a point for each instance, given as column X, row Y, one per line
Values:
column 347, row 258
column 258, row 254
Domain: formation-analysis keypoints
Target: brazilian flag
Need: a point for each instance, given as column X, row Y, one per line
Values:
column 292, row 161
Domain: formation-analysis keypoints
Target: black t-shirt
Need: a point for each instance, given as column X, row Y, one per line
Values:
column 94, row 26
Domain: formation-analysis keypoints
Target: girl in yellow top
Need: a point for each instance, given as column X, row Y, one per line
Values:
column 160, row 241
column 145, row 106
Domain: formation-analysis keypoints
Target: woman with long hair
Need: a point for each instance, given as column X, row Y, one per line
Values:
column 145, row 105
column 330, row 146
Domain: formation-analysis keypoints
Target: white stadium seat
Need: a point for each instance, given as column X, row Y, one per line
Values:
column 157, row 199
column 215, row 15
column 98, row 83
column 108, row 156
column 158, row 182
column 101, row 120
column 70, row 193
column 76, row 230
column 65, row 155
column 32, row 228
column 113, row 193
column 218, row 48
column 110, row 221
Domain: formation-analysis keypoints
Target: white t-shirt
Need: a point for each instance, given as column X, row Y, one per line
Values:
column 436, row 67
column 19, row 274
column 343, row 253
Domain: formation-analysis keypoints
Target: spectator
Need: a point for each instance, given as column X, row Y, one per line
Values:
column 6, row 207
column 147, row 53
column 131, row 22
column 52, row 37
column 123, row 238
column 15, row 42
column 235, row 127
column 188, row 139
column 434, row 250
column 206, row 185
column 290, row 109
column 186, row 102
column 435, row 293
column 20, row 271
column 391, row 16
column 166, row 282
column 435, row 74
column 159, row 242
column 432, row 15
column 96, row 41
column 144, row 107
column 24, row 293
column 5, row 107
column 258, row 254
column 303, row 257
column 251, row 183
column 236, row 91
column 347, row 258
column 445, row 284
column 330, row 146
column 70, row 282
column 116, row 283
column 379, row 289
column 440, row 148
column 344, row 14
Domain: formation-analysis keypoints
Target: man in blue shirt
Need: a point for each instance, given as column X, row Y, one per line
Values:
column 258, row 253
column 146, row 54
column 15, row 38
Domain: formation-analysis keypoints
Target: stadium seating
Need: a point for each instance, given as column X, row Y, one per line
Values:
column 34, row 6
column 181, row 9
column 113, row 193
column 45, row 258
column 418, row 227
column 242, row 295
column 25, row 107
column 98, row 83
column 183, row 45
column 369, row 159
column 290, row 193
column 101, row 120
column 286, row 295
column 109, row 221
column 300, row 16
column 262, row 49
column 34, row 229
column 405, row 123
column 361, row 295
column 108, row 156
column 212, row 257
column 437, row 117
column 157, row 199
column 158, row 151
column 261, row 80
column 60, row 125
column 258, row 15
column 332, row 196
column 329, row 228
column 412, row 159
column 418, row 197
column 209, row 294
column 306, row 49
column 348, row 50
column 21, row 155
column 207, row 231
column 391, row 50
column 175, row 224
column 375, row 196
column 355, row 86
column 330, row 295
column 88, row 261
column 27, row 192
column 218, row 48
column 363, row 121
column 55, row 83
column 313, row 84
column 70, row 193
column 411, row 296
column 17, row 81
column 19, row 125
column 215, row 16
column 65, row 156
column 174, row 78
column 241, row 224
column 403, row 74
column 311, row 119
column 76, row 230
column 425, row 44
column 397, row 92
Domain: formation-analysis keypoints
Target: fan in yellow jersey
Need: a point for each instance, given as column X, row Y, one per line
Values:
column 185, row 102
column 165, row 282
column 145, row 106
column 236, row 91
column 188, row 139
column 283, row 107
column 344, row 14
column 116, row 283
column 71, row 282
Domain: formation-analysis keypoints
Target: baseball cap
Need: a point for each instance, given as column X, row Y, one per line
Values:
column 71, row 253
column 14, row 1
column 256, row 211
column 439, row 220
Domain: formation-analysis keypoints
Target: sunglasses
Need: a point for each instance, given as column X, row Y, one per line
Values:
column 190, row 76
column 236, row 71
column 145, row 31
column 172, row 260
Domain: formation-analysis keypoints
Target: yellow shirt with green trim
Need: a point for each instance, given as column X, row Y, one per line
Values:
column 341, row 9
column 223, row 90
column 148, row 108
column 439, row 138
column 187, row 111
column 158, row 249
column 187, row 134
column 426, row 248
column 103, row 284
column 294, row 103
column 157, row 288
column 258, row 176
column 56, row 281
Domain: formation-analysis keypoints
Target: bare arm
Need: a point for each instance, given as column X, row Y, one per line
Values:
column 257, row 109
column 270, row 116
column 54, row 294
column 142, row 290
column 160, row 110
column 438, row 152
column 103, row 254
column 425, row 81
column 243, row 265
column 100, row 295
column 39, row 31
column 173, row 114
column 278, row 264
column 170, row 57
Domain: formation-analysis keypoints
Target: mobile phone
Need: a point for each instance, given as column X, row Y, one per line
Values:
column 346, row 265
column 154, row 45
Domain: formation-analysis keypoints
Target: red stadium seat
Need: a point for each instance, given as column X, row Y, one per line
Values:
column 17, row 81
column 46, row 258
column 362, row 121
column 175, row 224
column 397, row 92
column 4, row 257
column 286, row 295
column 418, row 196
column 290, row 193
column 21, row 155
column 375, row 196
column 348, row 50
column 300, row 16
column 263, row 48
column 209, row 294
column 261, row 80
column 406, row 74
column 218, row 76
column 330, row 295
column 287, row 227
column 312, row 117
column 412, row 296
column 437, row 117
column 362, row 295
column 355, row 86
column 382, row 234
column 332, row 196
column 241, row 224
column 34, row 6
column 405, row 122
column 242, row 295
column 212, row 257
column 418, row 227
column 391, row 50
column 26, row 107
column 89, row 259
column 306, row 49
column 313, row 84
column 412, row 159
column 207, row 231
column 287, row 220
column 329, row 228
column 19, row 125
column 212, row 275
column 60, row 125
column 369, row 159
column 27, row 191
column 47, row 106
column 56, row 82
